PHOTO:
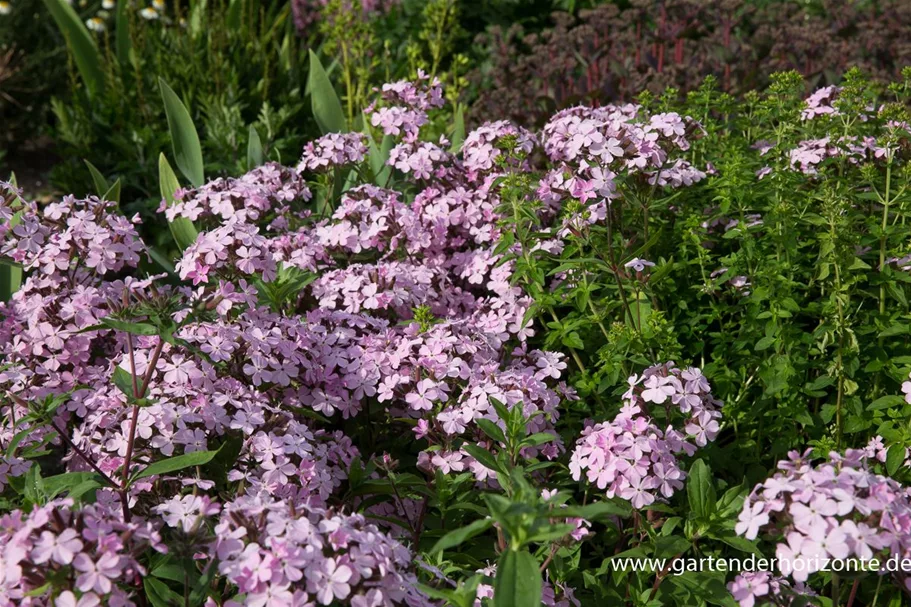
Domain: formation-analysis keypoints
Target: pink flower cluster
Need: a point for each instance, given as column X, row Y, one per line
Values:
column 398, row 299
column 753, row 588
column 278, row 555
column 332, row 151
column 405, row 105
column 90, row 550
column 264, row 191
column 630, row 456
column 836, row 509
column 77, row 235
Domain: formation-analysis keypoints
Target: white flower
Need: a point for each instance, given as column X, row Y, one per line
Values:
column 108, row 4
column 149, row 13
column 96, row 24
column 5, row 7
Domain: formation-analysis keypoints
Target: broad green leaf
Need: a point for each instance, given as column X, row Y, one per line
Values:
column 184, row 139
column 458, row 536
column 595, row 510
column 81, row 44
column 699, row 490
column 173, row 464
column 518, row 582
column 122, row 40
column 327, row 109
column 484, row 457
column 101, row 184
column 254, row 149
column 182, row 229
column 492, row 430
column 123, row 379
column 54, row 485
column 895, row 457
column 159, row 594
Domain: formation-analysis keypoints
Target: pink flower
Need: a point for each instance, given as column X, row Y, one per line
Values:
column 59, row 548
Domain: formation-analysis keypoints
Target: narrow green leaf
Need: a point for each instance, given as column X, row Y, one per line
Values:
column 81, row 44
column 122, row 40
column 458, row 130
column 327, row 109
column 197, row 18
column 184, row 138
column 113, row 193
column 101, row 184
column 182, row 229
column 379, row 154
column 254, row 149
column 173, row 464
column 462, row 534
column 136, row 328
column 518, row 582
column 235, row 11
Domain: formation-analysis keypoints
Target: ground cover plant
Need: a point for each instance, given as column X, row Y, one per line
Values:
column 425, row 366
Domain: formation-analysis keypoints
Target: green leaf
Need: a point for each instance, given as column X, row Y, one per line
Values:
column 173, row 464
column 136, row 328
column 378, row 157
column 122, row 40
column 101, row 184
column 885, row 402
column 159, row 594
column 197, row 17
column 462, row 534
column 895, row 457
column 66, row 482
column 124, row 381
column 492, row 430
column 235, row 12
column 113, row 193
column 484, row 457
column 254, row 149
column 184, row 138
column 458, row 130
column 594, row 511
column 17, row 438
column 699, row 490
column 182, row 229
column 327, row 109
column 518, row 582
column 81, row 44
column 538, row 438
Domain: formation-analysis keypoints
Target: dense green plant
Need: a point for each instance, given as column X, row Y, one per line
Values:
column 236, row 66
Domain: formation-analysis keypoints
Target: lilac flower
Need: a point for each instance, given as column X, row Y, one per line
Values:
column 638, row 265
